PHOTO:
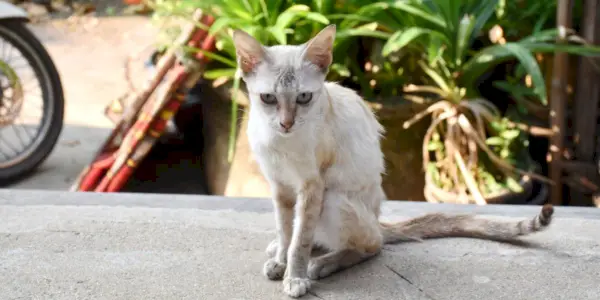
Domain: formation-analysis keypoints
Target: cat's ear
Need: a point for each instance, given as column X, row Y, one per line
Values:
column 319, row 50
column 249, row 51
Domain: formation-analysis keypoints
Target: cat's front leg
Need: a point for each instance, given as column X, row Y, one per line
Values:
column 283, row 202
column 309, row 204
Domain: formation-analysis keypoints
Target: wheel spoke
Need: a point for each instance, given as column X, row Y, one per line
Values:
column 9, row 145
column 24, row 109
column 32, row 137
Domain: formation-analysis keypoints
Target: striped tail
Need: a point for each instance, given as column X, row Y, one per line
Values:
column 438, row 225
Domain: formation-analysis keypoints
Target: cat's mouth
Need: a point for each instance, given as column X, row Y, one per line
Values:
column 285, row 132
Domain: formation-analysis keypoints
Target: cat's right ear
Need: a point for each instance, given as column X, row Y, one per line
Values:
column 249, row 51
column 319, row 50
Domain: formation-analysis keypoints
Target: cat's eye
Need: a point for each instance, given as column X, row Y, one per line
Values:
column 304, row 98
column 269, row 99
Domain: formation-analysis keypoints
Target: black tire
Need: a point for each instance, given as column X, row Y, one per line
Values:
column 20, row 37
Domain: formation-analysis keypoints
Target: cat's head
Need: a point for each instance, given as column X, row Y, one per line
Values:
column 286, row 82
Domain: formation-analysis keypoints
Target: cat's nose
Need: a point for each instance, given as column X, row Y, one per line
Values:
column 286, row 124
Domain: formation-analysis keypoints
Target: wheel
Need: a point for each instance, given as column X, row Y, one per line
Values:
column 18, row 106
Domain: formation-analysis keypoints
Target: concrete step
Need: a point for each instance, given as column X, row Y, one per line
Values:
column 62, row 245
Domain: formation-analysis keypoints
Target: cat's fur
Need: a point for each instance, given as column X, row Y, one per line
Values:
column 324, row 164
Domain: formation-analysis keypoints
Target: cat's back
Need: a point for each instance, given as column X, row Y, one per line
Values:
column 357, row 135
column 351, row 113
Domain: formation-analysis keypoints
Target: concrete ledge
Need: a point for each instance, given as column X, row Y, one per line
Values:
column 61, row 245
column 261, row 205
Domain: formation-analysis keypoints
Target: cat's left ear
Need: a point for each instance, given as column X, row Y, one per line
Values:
column 319, row 50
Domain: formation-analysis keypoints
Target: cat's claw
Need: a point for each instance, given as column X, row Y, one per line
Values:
column 274, row 270
column 296, row 287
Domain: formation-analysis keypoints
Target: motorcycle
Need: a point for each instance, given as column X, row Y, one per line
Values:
column 31, row 97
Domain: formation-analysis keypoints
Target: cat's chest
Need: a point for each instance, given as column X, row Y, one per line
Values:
column 288, row 161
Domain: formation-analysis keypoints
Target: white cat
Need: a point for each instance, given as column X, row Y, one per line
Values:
column 318, row 146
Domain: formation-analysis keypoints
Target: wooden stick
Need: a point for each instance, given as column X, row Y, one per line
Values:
column 587, row 95
column 557, row 103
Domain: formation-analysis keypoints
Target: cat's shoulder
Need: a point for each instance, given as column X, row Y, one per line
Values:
column 348, row 99
column 337, row 90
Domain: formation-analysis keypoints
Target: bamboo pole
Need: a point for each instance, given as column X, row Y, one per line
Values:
column 557, row 103
column 587, row 96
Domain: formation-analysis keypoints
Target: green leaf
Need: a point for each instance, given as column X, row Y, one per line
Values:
column 218, row 73
column 238, row 9
column 533, row 69
column 369, row 30
column 587, row 50
column 435, row 50
column 341, row 70
column 317, row 17
column 548, row 35
column 435, row 76
column 234, row 119
column 413, row 9
column 279, row 35
column 214, row 56
column 493, row 55
column 450, row 10
column 265, row 9
column 539, row 24
column 515, row 89
column 219, row 24
column 401, row 38
column 510, row 134
column 289, row 15
column 482, row 16
column 494, row 141
column 434, row 145
column 348, row 17
column 368, row 12
column 465, row 31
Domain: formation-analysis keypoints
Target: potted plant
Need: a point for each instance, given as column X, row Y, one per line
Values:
column 358, row 64
column 472, row 154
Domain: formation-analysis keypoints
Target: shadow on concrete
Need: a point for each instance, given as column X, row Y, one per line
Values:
column 170, row 167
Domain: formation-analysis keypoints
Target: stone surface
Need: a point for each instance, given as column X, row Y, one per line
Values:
column 59, row 245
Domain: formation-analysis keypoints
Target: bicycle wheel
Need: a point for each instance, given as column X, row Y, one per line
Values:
column 31, row 101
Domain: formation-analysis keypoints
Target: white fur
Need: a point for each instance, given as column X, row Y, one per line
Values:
column 352, row 133
column 330, row 157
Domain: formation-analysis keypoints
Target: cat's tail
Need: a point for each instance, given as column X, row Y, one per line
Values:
column 438, row 225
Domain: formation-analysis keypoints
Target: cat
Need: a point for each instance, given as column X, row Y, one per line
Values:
column 318, row 146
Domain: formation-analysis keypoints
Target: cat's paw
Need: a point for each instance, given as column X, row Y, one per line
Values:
column 272, row 248
column 274, row 270
column 318, row 269
column 296, row 287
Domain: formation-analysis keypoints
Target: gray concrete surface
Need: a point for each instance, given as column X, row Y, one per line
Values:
column 60, row 245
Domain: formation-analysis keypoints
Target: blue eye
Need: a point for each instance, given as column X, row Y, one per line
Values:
column 304, row 98
column 269, row 99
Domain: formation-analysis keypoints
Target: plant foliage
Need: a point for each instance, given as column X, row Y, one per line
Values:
column 462, row 137
column 430, row 51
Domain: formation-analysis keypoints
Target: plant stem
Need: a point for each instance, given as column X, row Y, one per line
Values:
column 233, row 120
